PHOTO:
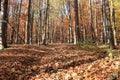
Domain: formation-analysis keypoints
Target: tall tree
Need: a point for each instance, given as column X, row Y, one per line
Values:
column 112, row 18
column 111, row 25
column 103, row 17
column 76, row 27
column 3, row 24
column 69, row 21
column 91, row 21
column 31, row 23
column 45, row 29
column 82, row 21
column 1, row 17
column 27, row 41
column 18, row 20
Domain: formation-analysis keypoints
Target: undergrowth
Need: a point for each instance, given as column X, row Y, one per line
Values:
column 99, row 50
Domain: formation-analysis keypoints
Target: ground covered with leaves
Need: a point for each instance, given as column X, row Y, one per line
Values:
column 59, row 62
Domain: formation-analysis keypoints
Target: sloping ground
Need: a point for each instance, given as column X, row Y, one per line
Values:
column 56, row 62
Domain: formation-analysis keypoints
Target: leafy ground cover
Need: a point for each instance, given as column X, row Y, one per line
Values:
column 59, row 62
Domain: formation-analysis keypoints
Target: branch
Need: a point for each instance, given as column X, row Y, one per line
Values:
column 3, row 21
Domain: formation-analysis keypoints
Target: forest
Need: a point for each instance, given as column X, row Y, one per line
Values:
column 59, row 39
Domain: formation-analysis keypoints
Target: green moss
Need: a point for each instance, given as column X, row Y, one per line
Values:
column 85, row 44
column 114, row 76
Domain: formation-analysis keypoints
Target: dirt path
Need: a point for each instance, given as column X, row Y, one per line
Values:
column 54, row 62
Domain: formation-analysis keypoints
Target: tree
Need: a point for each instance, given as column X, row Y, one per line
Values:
column 62, row 21
column 1, row 17
column 91, row 21
column 3, row 24
column 45, row 39
column 111, row 32
column 27, row 41
column 18, row 20
column 69, row 21
column 82, row 22
column 76, row 27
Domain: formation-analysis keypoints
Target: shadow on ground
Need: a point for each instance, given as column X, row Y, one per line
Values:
column 23, row 62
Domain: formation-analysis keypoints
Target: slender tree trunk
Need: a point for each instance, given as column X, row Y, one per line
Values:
column 43, row 25
column 13, row 21
column 40, row 28
column 103, row 17
column 91, row 21
column 52, row 32
column 4, row 24
column 18, row 21
column 11, row 35
column 1, row 18
column 48, row 27
column 28, row 23
column 61, row 29
column 82, row 22
column 95, row 27
column 36, row 31
column 11, row 30
column 112, row 16
column 31, row 23
column 76, row 27
column 110, row 27
column 47, row 22
column 69, row 22
column 45, row 30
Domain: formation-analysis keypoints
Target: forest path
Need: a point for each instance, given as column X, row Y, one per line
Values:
column 54, row 62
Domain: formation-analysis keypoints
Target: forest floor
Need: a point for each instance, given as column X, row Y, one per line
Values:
column 59, row 62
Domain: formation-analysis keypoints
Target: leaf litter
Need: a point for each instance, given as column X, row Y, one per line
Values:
column 56, row 62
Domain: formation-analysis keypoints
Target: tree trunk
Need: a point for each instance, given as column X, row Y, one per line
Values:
column 69, row 22
column 103, row 17
column 110, row 27
column 13, row 21
column 31, row 23
column 18, row 21
column 4, row 24
column 1, row 18
column 45, row 30
column 95, row 27
column 91, row 21
column 112, row 16
column 27, row 41
column 76, row 26
column 82, row 22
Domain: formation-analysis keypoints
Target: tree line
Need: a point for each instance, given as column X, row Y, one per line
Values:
column 64, row 21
